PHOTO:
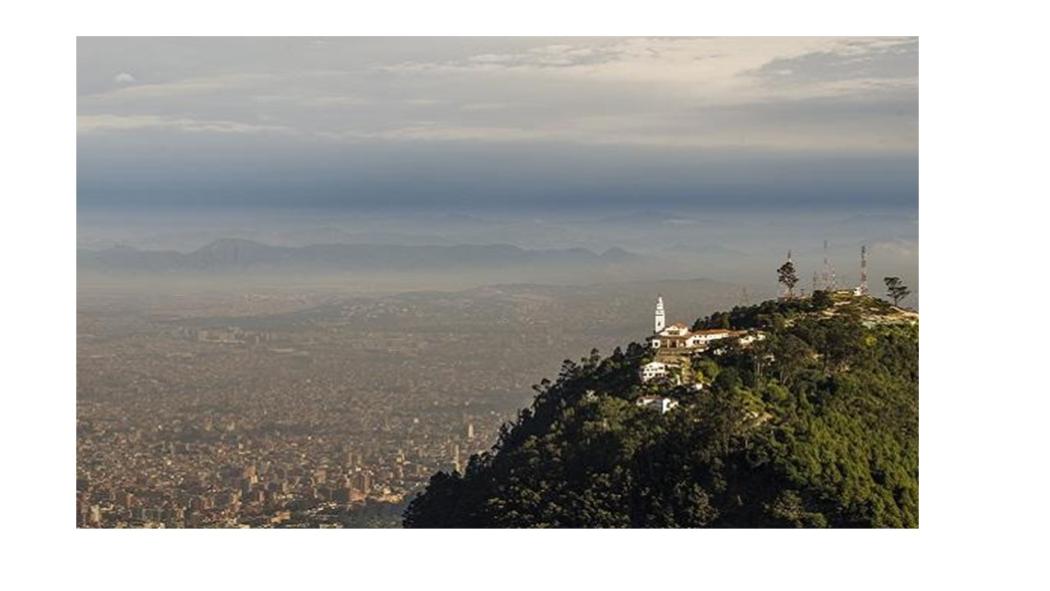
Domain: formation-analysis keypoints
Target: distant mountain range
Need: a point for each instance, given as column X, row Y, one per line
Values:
column 232, row 254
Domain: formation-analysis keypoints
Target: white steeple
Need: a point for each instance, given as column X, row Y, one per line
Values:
column 660, row 320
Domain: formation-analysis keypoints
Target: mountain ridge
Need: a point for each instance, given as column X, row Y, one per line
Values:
column 243, row 254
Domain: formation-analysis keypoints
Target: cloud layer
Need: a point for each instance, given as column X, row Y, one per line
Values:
column 304, row 101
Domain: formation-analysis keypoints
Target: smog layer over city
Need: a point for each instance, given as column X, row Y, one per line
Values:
column 312, row 273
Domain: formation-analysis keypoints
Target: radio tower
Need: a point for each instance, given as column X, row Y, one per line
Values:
column 824, row 269
column 825, row 272
column 828, row 274
column 862, row 289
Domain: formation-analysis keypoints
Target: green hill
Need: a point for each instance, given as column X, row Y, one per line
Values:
column 814, row 426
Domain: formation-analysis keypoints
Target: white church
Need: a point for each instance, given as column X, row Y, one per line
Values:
column 675, row 343
column 678, row 335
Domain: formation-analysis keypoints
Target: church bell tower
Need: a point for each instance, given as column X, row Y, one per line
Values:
column 660, row 321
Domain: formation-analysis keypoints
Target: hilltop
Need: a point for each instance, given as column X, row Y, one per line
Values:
column 815, row 425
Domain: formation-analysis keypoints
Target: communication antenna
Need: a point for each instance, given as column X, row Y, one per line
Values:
column 828, row 274
column 825, row 273
column 862, row 289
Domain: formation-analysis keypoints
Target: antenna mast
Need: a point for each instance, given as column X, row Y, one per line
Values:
column 824, row 276
column 828, row 274
column 862, row 289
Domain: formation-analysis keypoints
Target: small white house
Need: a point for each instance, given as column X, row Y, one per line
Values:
column 660, row 403
column 653, row 370
column 751, row 337
column 712, row 334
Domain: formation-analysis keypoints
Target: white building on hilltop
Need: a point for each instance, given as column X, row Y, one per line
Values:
column 679, row 336
column 660, row 321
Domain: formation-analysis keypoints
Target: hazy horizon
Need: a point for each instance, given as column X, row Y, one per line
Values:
column 726, row 245
column 710, row 157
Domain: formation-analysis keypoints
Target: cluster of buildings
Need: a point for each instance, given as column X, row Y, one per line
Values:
column 674, row 345
column 678, row 336
column 234, row 411
column 238, row 491
column 223, row 478
column 183, row 426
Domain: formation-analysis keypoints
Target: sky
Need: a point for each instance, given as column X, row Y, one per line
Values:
column 780, row 123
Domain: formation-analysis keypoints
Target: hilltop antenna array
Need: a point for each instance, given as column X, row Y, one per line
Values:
column 827, row 280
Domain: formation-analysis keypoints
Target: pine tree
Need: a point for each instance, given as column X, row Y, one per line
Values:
column 787, row 277
column 896, row 289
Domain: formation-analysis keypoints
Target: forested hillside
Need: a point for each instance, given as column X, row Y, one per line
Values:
column 814, row 426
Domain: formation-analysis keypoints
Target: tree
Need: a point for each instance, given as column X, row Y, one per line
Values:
column 821, row 299
column 786, row 275
column 896, row 289
column 715, row 320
